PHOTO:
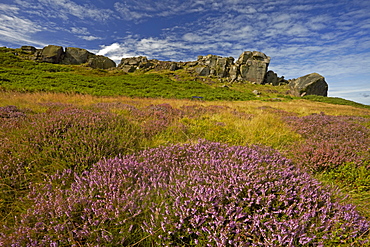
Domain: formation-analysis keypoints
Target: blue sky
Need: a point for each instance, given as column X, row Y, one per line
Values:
column 301, row 37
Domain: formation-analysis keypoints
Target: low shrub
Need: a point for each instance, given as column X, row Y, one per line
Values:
column 205, row 194
column 336, row 150
column 33, row 145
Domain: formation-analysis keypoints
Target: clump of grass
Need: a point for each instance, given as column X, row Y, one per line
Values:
column 193, row 195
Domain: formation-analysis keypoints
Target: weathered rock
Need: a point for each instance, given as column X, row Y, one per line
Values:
column 101, row 62
column 52, row 54
column 202, row 70
column 311, row 84
column 250, row 66
column 74, row 55
column 128, row 68
column 253, row 66
column 233, row 73
column 135, row 61
column 174, row 66
column 271, row 78
column 256, row 92
column 244, row 57
column 217, row 66
column 191, row 64
column 28, row 49
column 132, row 63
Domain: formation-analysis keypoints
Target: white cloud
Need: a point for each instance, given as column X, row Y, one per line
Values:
column 80, row 30
column 83, row 33
column 192, row 37
column 141, row 9
column 8, row 8
column 89, row 37
column 64, row 9
column 14, row 29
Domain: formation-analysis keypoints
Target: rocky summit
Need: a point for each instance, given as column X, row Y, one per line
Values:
column 71, row 55
column 251, row 66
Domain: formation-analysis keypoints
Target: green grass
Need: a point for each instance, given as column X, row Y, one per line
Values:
column 335, row 100
column 17, row 73
column 29, row 76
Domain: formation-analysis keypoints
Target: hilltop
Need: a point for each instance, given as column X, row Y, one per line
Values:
column 250, row 67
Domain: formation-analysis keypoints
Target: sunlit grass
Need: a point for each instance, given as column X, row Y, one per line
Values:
column 301, row 107
column 151, row 123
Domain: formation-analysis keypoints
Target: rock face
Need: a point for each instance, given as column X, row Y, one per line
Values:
column 311, row 84
column 101, row 62
column 71, row 55
column 131, row 64
column 250, row 66
column 253, row 66
column 28, row 49
column 74, row 55
column 272, row 79
column 52, row 54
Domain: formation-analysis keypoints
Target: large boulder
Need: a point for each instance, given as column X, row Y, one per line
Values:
column 311, row 84
column 216, row 65
column 250, row 66
column 253, row 66
column 101, row 62
column 74, row 55
column 271, row 78
column 52, row 54
column 28, row 49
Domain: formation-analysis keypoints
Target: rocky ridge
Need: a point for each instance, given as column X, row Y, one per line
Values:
column 71, row 55
column 249, row 67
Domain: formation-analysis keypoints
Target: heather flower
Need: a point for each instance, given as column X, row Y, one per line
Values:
column 331, row 141
column 207, row 194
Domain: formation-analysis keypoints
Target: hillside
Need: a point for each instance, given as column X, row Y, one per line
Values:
column 109, row 158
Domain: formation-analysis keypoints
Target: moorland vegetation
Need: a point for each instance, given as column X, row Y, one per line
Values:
column 93, row 157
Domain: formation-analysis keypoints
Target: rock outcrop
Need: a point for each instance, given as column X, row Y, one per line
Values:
column 71, row 55
column 101, row 62
column 74, row 55
column 50, row 54
column 311, row 84
column 249, row 67
column 253, row 66
column 272, row 78
column 132, row 64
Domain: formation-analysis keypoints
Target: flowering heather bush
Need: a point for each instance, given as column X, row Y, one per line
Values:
column 206, row 194
column 58, row 139
column 331, row 141
column 72, row 136
column 11, row 111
